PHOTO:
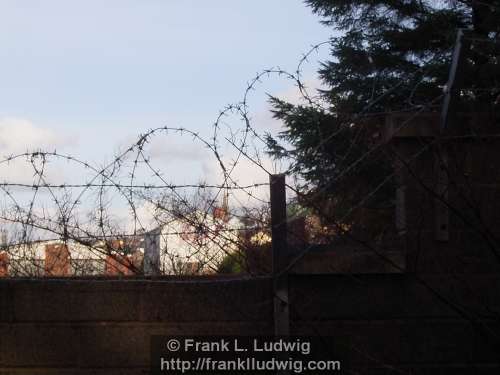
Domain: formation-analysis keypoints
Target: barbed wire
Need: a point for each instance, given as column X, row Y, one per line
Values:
column 63, row 219
column 127, row 165
column 197, row 232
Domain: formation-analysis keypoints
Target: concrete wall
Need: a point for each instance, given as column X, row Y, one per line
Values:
column 449, row 181
column 104, row 326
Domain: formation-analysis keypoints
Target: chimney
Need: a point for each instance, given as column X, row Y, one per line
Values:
column 57, row 260
column 152, row 252
column 118, row 265
column 3, row 238
column 4, row 264
column 222, row 213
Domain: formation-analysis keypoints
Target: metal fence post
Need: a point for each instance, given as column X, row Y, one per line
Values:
column 280, row 255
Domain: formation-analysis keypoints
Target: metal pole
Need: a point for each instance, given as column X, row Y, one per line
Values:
column 280, row 255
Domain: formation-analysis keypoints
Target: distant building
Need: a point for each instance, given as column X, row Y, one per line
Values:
column 195, row 244
column 71, row 258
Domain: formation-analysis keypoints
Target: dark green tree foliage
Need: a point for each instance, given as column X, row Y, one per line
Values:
column 387, row 56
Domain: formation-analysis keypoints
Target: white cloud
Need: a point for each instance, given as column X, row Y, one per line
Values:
column 172, row 148
column 19, row 135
